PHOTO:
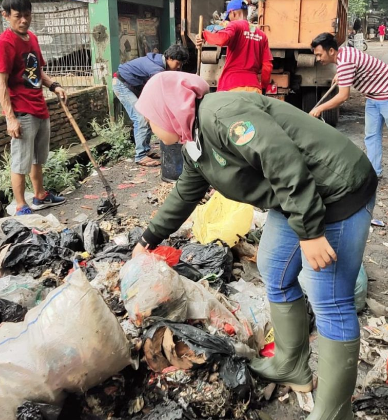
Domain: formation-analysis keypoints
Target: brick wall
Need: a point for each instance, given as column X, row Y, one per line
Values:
column 85, row 105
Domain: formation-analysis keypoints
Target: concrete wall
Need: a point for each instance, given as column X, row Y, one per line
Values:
column 85, row 105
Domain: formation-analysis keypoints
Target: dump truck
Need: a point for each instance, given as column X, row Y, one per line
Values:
column 290, row 26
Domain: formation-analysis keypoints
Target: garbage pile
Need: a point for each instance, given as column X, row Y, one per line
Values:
column 88, row 332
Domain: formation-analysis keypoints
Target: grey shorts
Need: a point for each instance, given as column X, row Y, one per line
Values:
column 33, row 146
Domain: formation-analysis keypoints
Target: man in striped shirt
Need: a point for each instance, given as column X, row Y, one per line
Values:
column 368, row 75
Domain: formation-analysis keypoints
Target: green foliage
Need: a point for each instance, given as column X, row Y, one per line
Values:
column 56, row 174
column 117, row 135
column 358, row 8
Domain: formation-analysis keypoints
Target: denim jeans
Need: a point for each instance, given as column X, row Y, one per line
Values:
column 331, row 290
column 141, row 129
column 375, row 114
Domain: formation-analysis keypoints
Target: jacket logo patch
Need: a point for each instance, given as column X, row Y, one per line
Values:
column 219, row 158
column 241, row 132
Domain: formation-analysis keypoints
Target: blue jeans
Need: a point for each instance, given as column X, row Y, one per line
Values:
column 331, row 290
column 141, row 129
column 375, row 114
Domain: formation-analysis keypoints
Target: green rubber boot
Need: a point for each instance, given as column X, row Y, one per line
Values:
column 337, row 376
column 289, row 366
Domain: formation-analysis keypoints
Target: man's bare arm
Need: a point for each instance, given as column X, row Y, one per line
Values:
column 13, row 125
column 48, row 82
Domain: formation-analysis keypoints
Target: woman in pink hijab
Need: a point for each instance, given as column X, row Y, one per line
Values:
column 320, row 191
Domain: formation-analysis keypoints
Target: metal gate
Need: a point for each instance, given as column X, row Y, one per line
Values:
column 62, row 28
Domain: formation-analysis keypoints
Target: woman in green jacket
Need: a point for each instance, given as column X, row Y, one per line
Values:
column 320, row 191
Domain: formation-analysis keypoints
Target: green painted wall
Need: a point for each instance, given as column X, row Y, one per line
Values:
column 167, row 25
column 104, row 26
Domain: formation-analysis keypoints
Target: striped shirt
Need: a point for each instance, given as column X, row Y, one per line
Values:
column 366, row 73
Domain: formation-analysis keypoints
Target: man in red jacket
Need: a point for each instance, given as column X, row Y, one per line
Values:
column 382, row 33
column 247, row 53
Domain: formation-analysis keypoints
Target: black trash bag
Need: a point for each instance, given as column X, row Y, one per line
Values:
column 188, row 271
column 11, row 312
column 201, row 342
column 80, row 229
column 209, row 259
column 237, row 376
column 36, row 411
column 168, row 410
column 30, row 255
column 373, row 401
column 114, row 253
column 134, row 235
column 105, row 206
column 14, row 232
column 35, row 253
column 53, row 239
column 93, row 238
column 71, row 240
column 215, row 349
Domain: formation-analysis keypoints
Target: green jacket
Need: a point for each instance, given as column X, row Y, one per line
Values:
column 267, row 153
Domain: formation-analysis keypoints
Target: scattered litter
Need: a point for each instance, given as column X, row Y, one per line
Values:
column 376, row 222
column 91, row 197
column 86, row 208
column 377, row 308
column 305, row 401
column 81, row 218
column 125, row 186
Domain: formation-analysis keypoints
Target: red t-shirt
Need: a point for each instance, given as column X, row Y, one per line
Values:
column 382, row 30
column 247, row 51
column 22, row 61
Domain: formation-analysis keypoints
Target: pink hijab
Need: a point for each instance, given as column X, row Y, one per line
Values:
column 168, row 100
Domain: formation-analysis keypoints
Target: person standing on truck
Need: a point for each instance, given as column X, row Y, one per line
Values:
column 382, row 33
column 267, row 153
column 247, row 52
column 23, row 104
column 128, row 83
column 368, row 75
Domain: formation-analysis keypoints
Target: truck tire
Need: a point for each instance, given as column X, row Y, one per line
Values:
column 332, row 115
column 309, row 98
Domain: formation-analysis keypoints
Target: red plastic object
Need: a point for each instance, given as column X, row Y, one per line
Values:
column 272, row 89
column 268, row 350
column 169, row 254
column 229, row 329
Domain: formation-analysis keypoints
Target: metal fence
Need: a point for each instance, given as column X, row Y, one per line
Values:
column 62, row 28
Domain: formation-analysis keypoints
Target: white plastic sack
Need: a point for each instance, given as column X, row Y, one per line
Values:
column 70, row 342
column 150, row 288
column 35, row 220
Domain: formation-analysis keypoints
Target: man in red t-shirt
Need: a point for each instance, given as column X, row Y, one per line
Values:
column 382, row 33
column 23, row 104
column 247, row 53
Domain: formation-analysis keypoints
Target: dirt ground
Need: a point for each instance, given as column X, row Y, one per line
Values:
column 139, row 192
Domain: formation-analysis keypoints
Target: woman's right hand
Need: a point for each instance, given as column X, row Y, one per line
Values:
column 139, row 249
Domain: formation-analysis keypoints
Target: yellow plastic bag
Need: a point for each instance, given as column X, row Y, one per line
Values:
column 221, row 218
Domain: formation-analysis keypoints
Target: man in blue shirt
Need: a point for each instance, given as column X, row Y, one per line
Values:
column 128, row 84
